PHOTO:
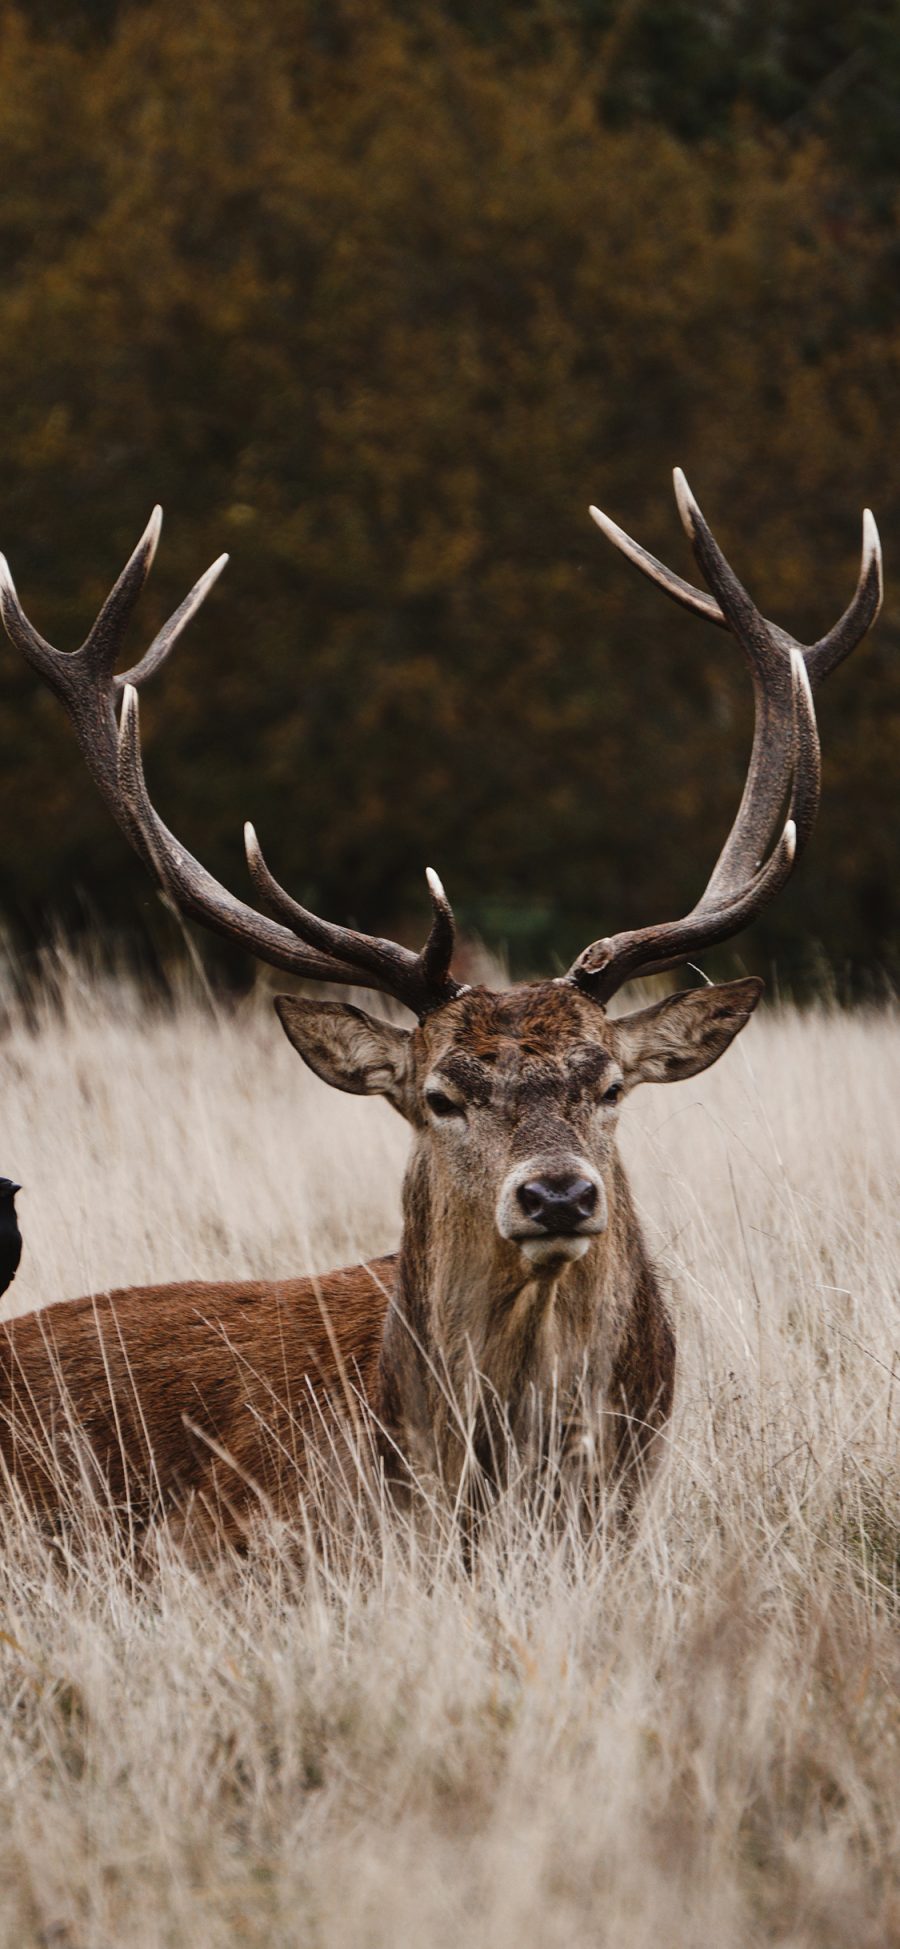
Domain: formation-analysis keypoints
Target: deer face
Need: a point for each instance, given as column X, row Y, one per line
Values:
column 515, row 1097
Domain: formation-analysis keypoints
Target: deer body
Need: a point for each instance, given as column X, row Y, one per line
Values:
column 522, row 1296
column 256, row 1372
column 160, row 1398
column 209, row 1395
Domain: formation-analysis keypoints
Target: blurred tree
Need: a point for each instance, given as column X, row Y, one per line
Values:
column 381, row 302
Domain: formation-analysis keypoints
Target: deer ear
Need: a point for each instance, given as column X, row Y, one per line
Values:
column 346, row 1047
column 685, row 1033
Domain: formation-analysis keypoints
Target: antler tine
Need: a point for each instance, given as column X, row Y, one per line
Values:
column 422, row 980
column 806, row 783
column 166, row 638
column 437, row 953
column 656, row 571
column 604, row 966
column 806, row 788
column 771, row 757
column 103, row 642
column 193, row 890
column 50, row 664
column 825, row 655
column 358, row 950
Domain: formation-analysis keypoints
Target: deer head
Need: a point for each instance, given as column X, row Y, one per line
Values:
column 514, row 1099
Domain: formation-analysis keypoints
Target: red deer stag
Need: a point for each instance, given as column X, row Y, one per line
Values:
column 521, row 1259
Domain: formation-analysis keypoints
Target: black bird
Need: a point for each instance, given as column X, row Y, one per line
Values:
column 10, row 1236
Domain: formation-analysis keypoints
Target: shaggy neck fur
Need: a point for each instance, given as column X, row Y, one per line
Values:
column 477, row 1340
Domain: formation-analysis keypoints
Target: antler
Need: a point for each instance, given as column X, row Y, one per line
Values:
column 784, row 764
column 296, row 940
column 753, row 864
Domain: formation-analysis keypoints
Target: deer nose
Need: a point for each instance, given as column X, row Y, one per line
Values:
column 558, row 1204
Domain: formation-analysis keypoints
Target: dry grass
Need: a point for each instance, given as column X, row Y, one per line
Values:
column 691, row 1743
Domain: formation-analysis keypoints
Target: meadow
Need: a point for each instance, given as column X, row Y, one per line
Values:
column 691, row 1740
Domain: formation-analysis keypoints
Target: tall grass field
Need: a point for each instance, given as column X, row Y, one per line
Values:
column 688, row 1740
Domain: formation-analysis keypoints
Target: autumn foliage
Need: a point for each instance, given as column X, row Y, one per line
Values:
column 379, row 298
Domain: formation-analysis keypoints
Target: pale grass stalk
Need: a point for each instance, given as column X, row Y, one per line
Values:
column 690, row 1738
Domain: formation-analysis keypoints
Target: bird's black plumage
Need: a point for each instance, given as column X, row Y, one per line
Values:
column 10, row 1236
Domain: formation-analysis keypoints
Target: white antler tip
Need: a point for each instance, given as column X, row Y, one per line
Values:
column 801, row 677
column 871, row 540
column 687, row 506
column 790, row 839
column 6, row 581
column 435, row 886
column 607, row 527
column 251, row 843
column 129, row 724
column 211, row 575
column 151, row 534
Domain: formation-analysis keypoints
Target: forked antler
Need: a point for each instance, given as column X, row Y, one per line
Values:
column 296, row 941
column 756, row 859
column 784, row 770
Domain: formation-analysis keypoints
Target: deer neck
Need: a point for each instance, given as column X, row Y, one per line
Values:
column 468, row 1309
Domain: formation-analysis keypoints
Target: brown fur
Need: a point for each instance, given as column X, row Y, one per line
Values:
column 208, row 1397
column 165, row 1396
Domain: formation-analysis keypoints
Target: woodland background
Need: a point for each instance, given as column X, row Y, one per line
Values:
column 379, row 296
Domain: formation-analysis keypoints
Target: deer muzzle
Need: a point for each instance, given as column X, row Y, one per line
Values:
column 551, row 1212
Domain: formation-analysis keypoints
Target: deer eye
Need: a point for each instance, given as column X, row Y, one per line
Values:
column 443, row 1106
column 614, row 1093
